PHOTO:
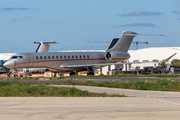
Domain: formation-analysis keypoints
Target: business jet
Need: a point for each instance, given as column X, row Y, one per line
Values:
column 76, row 61
column 42, row 47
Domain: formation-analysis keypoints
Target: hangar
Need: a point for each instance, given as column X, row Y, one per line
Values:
column 6, row 56
column 153, row 54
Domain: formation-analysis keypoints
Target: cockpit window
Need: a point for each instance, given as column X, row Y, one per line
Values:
column 19, row 57
column 13, row 57
column 16, row 57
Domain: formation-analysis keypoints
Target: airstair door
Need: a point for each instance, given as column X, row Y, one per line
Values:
column 31, row 60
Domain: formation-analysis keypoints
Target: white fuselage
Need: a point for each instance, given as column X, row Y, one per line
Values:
column 54, row 60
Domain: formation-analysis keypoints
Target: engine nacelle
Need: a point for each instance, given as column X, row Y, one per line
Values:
column 116, row 55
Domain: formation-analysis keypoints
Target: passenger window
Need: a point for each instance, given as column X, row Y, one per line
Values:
column 76, row 57
column 84, row 56
column 88, row 56
column 40, row 57
column 37, row 57
column 52, row 57
column 61, row 57
column 49, row 57
column 44, row 57
column 56, row 57
column 64, row 57
column 68, row 57
column 72, row 57
column 80, row 56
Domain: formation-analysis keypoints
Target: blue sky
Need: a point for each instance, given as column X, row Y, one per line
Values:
column 76, row 24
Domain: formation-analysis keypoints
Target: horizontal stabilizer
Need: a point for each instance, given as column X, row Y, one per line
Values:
column 133, row 35
column 46, row 42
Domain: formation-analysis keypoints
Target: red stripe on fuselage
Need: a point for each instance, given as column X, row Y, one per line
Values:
column 71, row 60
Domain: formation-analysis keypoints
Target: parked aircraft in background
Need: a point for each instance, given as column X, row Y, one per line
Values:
column 76, row 61
column 43, row 47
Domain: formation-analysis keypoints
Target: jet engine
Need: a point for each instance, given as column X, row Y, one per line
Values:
column 116, row 55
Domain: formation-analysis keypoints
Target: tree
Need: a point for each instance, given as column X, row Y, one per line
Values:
column 163, row 64
column 175, row 62
column 155, row 60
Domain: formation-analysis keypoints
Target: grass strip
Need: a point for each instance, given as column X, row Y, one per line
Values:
column 132, row 75
column 72, row 76
column 14, row 89
column 157, row 85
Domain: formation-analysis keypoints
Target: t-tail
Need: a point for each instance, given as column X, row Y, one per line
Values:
column 44, row 46
column 121, row 45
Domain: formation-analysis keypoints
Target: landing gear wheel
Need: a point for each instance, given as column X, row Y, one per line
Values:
column 72, row 73
column 90, row 73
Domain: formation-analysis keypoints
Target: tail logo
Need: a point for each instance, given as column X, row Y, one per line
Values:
column 122, row 45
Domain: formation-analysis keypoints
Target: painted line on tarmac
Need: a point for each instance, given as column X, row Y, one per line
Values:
column 165, row 100
column 166, row 96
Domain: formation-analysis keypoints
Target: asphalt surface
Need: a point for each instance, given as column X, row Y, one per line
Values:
column 140, row 104
column 126, row 92
column 89, row 108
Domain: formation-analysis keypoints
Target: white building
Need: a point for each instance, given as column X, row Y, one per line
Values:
column 154, row 53
column 6, row 56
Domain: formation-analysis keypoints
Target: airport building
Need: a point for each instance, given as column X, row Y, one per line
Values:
column 153, row 54
column 6, row 56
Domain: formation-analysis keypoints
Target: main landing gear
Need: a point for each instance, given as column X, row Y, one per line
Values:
column 73, row 73
column 61, row 74
column 90, row 71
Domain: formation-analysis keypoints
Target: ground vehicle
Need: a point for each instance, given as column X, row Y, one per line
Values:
column 160, row 70
column 155, row 70
column 2, row 68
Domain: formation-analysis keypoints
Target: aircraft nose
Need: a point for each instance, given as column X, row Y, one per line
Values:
column 8, row 64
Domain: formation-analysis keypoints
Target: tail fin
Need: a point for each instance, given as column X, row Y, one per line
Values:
column 44, row 46
column 123, row 43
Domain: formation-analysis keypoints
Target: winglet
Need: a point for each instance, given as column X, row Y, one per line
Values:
column 167, row 59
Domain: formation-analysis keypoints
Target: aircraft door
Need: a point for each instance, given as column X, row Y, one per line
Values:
column 31, row 59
